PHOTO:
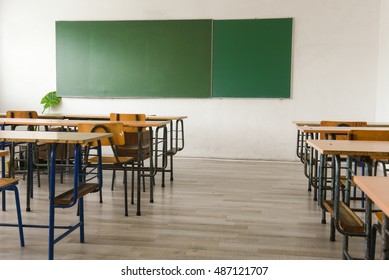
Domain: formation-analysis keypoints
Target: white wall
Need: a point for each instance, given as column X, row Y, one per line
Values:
column 335, row 61
column 383, row 65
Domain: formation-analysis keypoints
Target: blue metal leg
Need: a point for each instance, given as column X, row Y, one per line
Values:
column 30, row 170
column 81, row 208
column 52, row 196
column 19, row 214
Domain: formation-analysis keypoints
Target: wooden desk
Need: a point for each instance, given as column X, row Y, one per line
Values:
column 175, row 132
column 377, row 191
column 313, row 132
column 336, row 148
column 176, row 136
column 151, row 125
column 54, row 138
column 317, row 123
column 164, row 118
column 310, row 125
column 176, row 125
column 45, row 122
column 49, row 138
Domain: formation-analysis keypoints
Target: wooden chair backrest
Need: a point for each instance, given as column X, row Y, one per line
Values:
column 128, row 117
column 368, row 135
column 342, row 123
column 22, row 114
column 115, row 128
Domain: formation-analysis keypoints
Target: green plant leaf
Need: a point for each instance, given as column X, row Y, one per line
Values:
column 50, row 100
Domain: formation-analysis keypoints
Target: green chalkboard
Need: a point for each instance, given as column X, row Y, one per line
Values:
column 252, row 58
column 156, row 58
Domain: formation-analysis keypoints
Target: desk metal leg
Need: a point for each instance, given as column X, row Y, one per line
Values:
column 368, row 225
column 298, row 146
column 30, row 173
column 385, row 237
column 138, row 190
column 152, row 174
column 321, row 187
column 51, row 206
column 164, row 153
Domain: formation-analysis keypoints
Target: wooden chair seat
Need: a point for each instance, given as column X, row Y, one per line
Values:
column 348, row 220
column 110, row 160
column 4, row 182
column 67, row 197
column 9, row 184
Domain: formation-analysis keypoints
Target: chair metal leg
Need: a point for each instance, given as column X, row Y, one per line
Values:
column 171, row 168
column 132, row 185
column 113, row 179
column 125, row 193
column 3, row 204
column 14, row 188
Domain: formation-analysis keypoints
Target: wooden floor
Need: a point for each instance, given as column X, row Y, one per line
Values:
column 214, row 209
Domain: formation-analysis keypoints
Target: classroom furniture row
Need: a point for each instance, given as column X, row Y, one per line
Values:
column 160, row 149
column 332, row 157
column 91, row 135
column 175, row 127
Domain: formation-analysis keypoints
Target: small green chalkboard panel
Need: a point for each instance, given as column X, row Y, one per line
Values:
column 146, row 59
column 252, row 58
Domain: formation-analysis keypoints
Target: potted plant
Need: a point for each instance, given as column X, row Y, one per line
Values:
column 50, row 100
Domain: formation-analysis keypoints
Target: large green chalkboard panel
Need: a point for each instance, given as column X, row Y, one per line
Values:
column 148, row 59
column 252, row 58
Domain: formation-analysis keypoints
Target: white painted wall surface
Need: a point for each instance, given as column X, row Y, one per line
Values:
column 335, row 62
column 383, row 65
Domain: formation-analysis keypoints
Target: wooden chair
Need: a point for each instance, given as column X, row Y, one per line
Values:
column 130, row 148
column 131, row 136
column 370, row 162
column 341, row 123
column 19, row 158
column 10, row 184
column 370, row 135
column 40, row 153
column 331, row 136
column 334, row 136
column 110, row 162
column 21, row 114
